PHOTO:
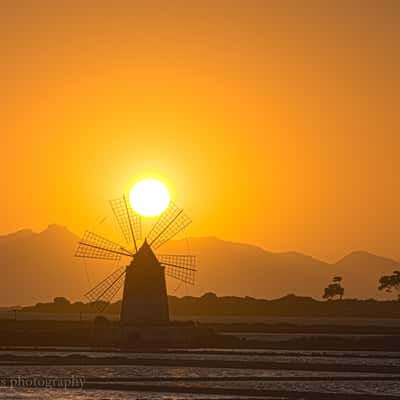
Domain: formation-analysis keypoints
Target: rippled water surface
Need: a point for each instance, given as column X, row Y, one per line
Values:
column 156, row 378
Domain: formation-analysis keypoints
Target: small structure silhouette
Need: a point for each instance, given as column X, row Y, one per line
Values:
column 145, row 293
column 144, row 298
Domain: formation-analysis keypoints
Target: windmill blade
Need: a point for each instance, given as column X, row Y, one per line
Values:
column 95, row 246
column 102, row 294
column 129, row 221
column 179, row 260
column 180, row 267
column 172, row 221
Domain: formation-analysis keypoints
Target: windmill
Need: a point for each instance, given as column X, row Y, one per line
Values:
column 144, row 297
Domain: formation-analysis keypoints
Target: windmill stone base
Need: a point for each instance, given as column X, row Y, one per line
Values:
column 145, row 298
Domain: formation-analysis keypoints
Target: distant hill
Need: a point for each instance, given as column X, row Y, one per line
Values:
column 40, row 266
column 211, row 305
column 36, row 267
column 228, row 268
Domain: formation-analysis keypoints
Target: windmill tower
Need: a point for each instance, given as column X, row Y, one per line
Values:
column 144, row 299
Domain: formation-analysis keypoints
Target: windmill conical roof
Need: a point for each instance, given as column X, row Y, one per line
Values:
column 145, row 256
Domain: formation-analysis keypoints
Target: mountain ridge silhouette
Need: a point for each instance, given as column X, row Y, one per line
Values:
column 38, row 266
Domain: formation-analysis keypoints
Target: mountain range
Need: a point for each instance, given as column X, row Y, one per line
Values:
column 36, row 267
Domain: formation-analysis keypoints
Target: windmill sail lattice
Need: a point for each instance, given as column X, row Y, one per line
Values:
column 95, row 246
column 143, row 262
column 107, row 288
column 181, row 267
column 128, row 220
column 171, row 222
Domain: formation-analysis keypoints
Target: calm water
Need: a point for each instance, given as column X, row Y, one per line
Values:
column 217, row 379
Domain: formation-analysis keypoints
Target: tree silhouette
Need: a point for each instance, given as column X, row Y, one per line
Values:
column 390, row 282
column 334, row 289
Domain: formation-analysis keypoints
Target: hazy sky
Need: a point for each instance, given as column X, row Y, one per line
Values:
column 276, row 125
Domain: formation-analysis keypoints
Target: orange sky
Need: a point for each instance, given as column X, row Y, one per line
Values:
column 276, row 125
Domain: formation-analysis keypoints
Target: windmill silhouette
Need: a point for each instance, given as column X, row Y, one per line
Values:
column 144, row 297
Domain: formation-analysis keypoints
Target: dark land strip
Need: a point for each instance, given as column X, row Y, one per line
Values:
column 249, row 379
column 239, row 392
column 273, row 354
column 225, row 352
column 112, row 380
column 8, row 360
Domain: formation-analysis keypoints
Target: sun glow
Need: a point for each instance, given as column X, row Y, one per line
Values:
column 149, row 197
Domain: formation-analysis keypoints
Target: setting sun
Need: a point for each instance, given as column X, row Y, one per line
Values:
column 149, row 197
